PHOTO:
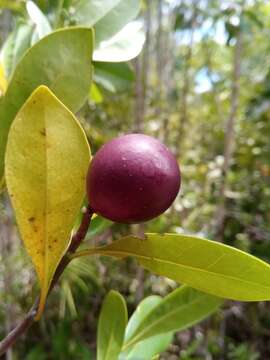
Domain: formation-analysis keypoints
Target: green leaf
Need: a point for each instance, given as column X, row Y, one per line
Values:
column 36, row 353
column 108, row 16
column 179, row 310
column 15, row 46
column 142, row 310
column 13, row 5
column 150, row 329
column 98, row 225
column 95, row 94
column 111, row 327
column 147, row 349
column 42, row 24
column 119, row 16
column 89, row 12
column 46, row 163
column 118, row 39
column 113, row 77
column 254, row 18
column 150, row 347
column 66, row 292
column 205, row 265
column 124, row 46
column 61, row 61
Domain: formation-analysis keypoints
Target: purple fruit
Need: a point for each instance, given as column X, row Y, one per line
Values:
column 133, row 178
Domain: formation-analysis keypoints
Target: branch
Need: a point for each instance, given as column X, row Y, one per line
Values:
column 229, row 137
column 24, row 325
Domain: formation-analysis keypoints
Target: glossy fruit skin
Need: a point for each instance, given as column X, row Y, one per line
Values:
column 132, row 179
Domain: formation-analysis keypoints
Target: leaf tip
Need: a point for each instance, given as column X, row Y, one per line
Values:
column 114, row 293
column 41, row 89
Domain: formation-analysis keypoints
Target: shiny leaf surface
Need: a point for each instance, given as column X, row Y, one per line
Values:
column 111, row 327
column 205, row 265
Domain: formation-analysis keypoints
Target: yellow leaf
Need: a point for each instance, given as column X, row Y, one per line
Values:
column 46, row 163
column 3, row 81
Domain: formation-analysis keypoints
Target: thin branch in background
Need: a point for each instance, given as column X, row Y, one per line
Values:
column 138, row 125
column 146, row 56
column 184, row 111
column 6, row 246
column 169, row 63
column 58, row 14
column 159, row 63
column 229, row 141
column 141, row 73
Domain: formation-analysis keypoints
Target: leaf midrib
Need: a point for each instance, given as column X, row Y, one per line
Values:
column 122, row 254
column 110, row 341
column 136, row 338
column 46, row 198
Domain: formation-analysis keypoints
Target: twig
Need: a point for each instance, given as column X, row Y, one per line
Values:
column 19, row 330
column 24, row 325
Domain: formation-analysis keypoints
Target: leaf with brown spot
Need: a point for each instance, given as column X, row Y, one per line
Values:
column 45, row 175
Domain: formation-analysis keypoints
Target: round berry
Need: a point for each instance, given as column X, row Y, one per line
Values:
column 132, row 179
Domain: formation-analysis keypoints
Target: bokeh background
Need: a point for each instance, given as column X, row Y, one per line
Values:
column 202, row 86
